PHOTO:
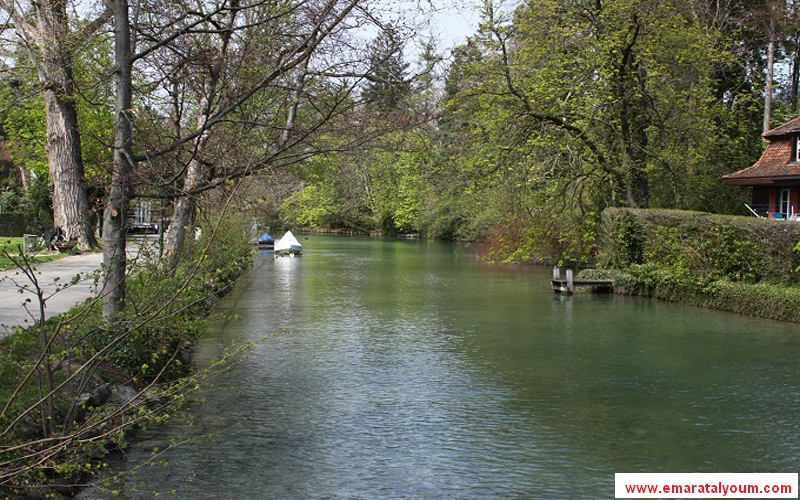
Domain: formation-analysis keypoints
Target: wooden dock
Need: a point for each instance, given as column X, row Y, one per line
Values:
column 568, row 284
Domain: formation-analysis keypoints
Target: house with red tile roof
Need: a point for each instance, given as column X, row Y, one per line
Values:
column 775, row 177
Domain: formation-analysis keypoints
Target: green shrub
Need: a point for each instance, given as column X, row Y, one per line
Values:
column 15, row 224
column 741, row 249
column 78, row 358
column 622, row 245
column 171, row 304
column 765, row 300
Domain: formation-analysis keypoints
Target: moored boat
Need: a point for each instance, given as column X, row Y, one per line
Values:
column 288, row 245
column 266, row 241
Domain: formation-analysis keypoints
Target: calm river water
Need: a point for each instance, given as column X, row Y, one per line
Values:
column 407, row 369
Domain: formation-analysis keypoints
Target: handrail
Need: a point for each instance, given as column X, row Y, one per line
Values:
column 753, row 211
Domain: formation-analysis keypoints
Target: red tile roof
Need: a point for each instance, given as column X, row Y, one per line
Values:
column 775, row 164
column 785, row 129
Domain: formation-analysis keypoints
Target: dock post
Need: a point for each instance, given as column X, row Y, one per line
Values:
column 570, row 282
column 556, row 273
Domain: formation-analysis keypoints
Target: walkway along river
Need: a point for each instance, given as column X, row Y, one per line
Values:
column 406, row 369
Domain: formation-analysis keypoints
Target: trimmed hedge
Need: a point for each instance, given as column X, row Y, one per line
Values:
column 741, row 249
column 14, row 224
column 738, row 264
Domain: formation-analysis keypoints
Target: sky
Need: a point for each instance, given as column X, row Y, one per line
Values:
column 455, row 23
column 451, row 22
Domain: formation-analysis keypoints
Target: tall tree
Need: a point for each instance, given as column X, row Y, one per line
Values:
column 213, row 69
column 388, row 83
column 775, row 9
column 243, row 94
column 563, row 108
column 623, row 83
column 282, row 81
column 119, row 191
column 51, row 42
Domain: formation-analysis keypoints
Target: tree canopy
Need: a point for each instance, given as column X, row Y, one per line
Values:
column 551, row 112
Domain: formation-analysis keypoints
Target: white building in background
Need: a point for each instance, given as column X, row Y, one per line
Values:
column 143, row 216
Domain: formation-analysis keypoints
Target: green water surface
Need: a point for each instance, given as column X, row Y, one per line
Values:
column 408, row 369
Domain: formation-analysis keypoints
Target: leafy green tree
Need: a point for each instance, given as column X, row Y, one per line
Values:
column 315, row 205
column 398, row 183
column 24, row 126
column 51, row 39
column 564, row 108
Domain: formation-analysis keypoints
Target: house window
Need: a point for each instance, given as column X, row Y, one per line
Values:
column 784, row 202
column 797, row 148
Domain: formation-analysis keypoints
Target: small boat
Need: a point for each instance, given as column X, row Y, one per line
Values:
column 266, row 241
column 288, row 245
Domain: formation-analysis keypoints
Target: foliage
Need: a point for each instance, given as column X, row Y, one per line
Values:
column 562, row 109
column 313, row 206
column 542, row 238
column 23, row 124
column 738, row 248
column 32, row 204
column 80, row 361
column 37, row 203
column 14, row 224
column 398, row 183
column 738, row 264
column 765, row 300
column 95, row 105
column 385, row 188
column 171, row 303
column 625, row 86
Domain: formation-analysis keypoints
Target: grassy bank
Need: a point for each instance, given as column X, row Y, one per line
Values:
column 764, row 300
column 75, row 388
column 736, row 264
column 11, row 246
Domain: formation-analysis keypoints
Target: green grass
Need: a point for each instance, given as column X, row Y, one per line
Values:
column 16, row 351
column 12, row 245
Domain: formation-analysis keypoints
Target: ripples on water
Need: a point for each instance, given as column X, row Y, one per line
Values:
column 406, row 370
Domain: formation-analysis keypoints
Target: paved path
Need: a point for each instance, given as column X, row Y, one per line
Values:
column 12, row 311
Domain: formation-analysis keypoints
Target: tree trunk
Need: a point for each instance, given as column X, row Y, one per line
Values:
column 773, row 39
column 63, row 145
column 116, row 209
column 185, row 204
column 795, row 71
column 184, row 209
column 70, row 205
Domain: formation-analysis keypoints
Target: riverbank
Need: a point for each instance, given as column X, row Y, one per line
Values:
column 77, row 387
column 761, row 300
column 355, row 232
column 737, row 264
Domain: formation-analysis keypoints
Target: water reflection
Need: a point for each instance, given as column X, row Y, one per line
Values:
column 405, row 370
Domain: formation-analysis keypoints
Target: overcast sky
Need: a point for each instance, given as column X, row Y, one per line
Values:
column 450, row 25
column 455, row 23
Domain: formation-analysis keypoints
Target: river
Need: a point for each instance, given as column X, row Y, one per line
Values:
column 408, row 369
